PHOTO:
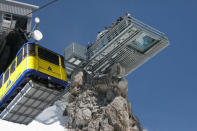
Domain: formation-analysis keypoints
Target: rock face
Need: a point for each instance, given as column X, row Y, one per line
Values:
column 99, row 104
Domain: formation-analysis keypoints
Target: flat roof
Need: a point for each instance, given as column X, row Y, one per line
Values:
column 33, row 7
column 16, row 7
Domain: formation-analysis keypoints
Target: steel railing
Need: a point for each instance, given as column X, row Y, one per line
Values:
column 116, row 30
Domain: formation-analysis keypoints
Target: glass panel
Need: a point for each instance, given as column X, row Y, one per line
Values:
column 29, row 50
column 62, row 61
column 13, row 67
column 20, row 57
column 48, row 56
column 25, row 50
column 1, row 81
column 6, row 76
column 143, row 42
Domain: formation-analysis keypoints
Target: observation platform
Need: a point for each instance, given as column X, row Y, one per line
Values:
column 129, row 43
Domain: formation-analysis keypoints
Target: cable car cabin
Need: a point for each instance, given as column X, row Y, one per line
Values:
column 32, row 62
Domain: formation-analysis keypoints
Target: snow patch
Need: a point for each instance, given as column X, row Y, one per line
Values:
column 34, row 126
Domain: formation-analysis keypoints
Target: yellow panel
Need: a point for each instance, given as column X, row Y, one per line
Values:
column 34, row 62
column 63, row 73
column 48, row 68
column 31, row 62
column 1, row 91
column 5, row 85
column 12, row 77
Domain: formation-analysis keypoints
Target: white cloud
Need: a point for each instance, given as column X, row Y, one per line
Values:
column 145, row 129
column 34, row 126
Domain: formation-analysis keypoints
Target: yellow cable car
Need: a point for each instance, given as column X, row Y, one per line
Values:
column 32, row 62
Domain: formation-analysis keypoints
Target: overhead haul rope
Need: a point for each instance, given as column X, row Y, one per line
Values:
column 47, row 4
column 43, row 6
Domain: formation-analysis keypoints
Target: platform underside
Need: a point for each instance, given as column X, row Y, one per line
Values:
column 29, row 102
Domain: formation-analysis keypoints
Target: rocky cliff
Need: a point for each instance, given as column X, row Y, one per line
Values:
column 99, row 104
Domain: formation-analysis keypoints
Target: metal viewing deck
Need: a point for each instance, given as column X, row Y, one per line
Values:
column 129, row 43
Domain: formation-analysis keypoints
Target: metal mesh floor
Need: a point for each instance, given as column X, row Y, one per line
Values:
column 55, row 113
column 29, row 102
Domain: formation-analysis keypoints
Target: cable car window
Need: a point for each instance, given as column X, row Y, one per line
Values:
column 48, row 56
column 62, row 61
column 1, row 81
column 29, row 50
column 20, row 57
column 25, row 50
column 12, row 69
column 6, row 76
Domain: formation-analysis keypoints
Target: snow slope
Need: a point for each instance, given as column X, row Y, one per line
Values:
column 34, row 126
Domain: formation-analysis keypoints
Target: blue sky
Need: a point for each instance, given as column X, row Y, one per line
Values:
column 163, row 92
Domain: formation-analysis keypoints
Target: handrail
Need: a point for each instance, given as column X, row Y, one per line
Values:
column 137, row 21
column 117, row 29
column 149, row 28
